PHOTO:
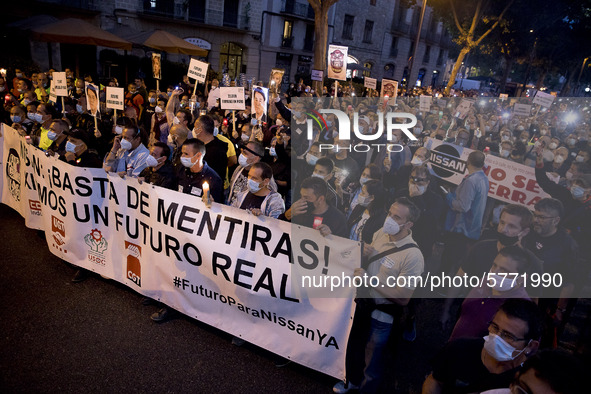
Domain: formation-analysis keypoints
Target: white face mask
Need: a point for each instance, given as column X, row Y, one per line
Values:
column 579, row 159
column 311, row 159
column 52, row 135
column 279, row 122
column 499, row 349
column 242, row 160
column 316, row 175
column 505, row 153
column 118, row 129
column 391, row 227
column 364, row 200
column 125, row 145
column 363, row 180
column 253, row 186
column 26, row 102
column 553, row 145
column 187, row 161
column 158, row 110
column 216, row 131
column 151, row 161
column 272, row 151
column 416, row 161
column 416, row 190
column 559, row 159
column 70, row 147
column 245, row 137
column 175, row 120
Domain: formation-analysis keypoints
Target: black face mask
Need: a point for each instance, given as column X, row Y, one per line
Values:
column 309, row 208
column 505, row 240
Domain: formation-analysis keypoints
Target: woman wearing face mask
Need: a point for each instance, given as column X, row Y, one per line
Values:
column 371, row 172
column 368, row 215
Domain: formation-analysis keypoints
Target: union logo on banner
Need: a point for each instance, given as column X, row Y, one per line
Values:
column 134, row 268
column 98, row 245
column 58, row 230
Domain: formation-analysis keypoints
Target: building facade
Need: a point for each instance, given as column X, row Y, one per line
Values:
column 254, row 36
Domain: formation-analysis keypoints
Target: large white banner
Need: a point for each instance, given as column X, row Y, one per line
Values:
column 223, row 266
column 509, row 182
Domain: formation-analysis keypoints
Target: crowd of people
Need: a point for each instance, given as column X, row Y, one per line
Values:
column 410, row 221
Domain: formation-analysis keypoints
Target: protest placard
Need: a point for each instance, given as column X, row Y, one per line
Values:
column 232, row 98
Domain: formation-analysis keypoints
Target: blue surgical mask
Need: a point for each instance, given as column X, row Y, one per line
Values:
column 272, row 151
column 15, row 118
column 253, row 186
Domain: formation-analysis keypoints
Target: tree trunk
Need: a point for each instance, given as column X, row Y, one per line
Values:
column 454, row 71
column 320, row 44
column 506, row 71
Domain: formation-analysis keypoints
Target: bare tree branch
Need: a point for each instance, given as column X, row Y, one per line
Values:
column 477, row 42
column 455, row 14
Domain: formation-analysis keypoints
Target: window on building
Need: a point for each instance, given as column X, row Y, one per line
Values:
column 231, row 59
column 440, row 57
column 309, row 38
column 197, row 10
column 287, row 34
column 427, row 54
column 368, row 31
column 394, row 47
column 231, row 13
column 348, row 27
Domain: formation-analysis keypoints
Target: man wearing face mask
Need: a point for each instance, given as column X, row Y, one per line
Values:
column 259, row 199
column 429, row 227
column 503, row 281
column 149, row 110
column 77, row 153
column 128, row 154
column 159, row 170
column 20, row 122
column 324, row 169
column 400, row 180
column 392, row 253
column 560, row 254
column 469, row 365
column 464, row 219
column 176, row 138
column 46, row 113
column 195, row 172
column 134, row 99
column 251, row 153
column 58, row 137
column 215, row 149
column 312, row 209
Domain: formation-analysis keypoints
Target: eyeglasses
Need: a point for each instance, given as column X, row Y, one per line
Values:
column 493, row 328
column 541, row 217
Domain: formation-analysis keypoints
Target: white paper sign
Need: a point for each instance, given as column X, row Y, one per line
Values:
column 197, row 70
column 52, row 95
column 522, row 109
column 232, row 98
column 425, row 103
column 370, row 83
column 544, row 99
column 317, row 75
column 115, row 98
column 61, row 85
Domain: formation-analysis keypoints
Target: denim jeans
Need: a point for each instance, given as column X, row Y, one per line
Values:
column 364, row 362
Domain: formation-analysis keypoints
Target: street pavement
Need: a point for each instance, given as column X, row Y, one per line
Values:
column 97, row 337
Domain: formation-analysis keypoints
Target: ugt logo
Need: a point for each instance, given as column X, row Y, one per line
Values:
column 345, row 125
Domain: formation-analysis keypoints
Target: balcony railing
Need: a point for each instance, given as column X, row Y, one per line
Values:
column 167, row 9
column 300, row 9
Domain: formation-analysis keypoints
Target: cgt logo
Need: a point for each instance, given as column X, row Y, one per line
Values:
column 345, row 125
column 445, row 161
column 35, row 207
column 134, row 268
